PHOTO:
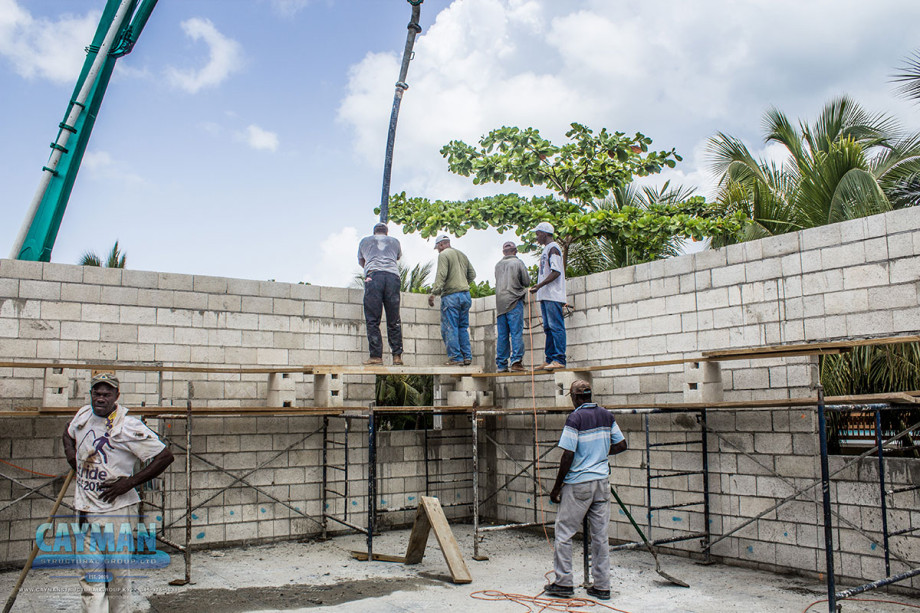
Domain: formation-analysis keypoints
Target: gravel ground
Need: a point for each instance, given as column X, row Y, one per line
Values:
column 315, row 575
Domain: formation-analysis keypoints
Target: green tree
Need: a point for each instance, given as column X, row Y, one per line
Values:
column 605, row 252
column 847, row 164
column 909, row 78
column 578, row 173
column 115, row 258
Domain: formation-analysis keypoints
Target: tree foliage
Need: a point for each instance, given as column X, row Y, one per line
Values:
column 114, row 259
column 579, row 173
column 847, row 164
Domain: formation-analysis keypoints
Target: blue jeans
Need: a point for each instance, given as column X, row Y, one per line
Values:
column 455, row 325
column 510, row 328
column 554, row 328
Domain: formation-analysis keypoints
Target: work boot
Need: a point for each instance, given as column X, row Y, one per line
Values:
column 373, row 361
column 517, row 367
column 596, row 593
column 397, row 359
column 467, row 362
column 452, row 363
column 558, row 591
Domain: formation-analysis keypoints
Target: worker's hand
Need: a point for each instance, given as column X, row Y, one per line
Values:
column 110, row 490
column 431, row 300
column 533, row 290
column 556, row 495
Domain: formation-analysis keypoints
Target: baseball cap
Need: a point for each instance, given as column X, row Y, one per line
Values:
column 579, row 387
column 544, row 226
column 509, row 245
column 103, row 376
column 441, row 238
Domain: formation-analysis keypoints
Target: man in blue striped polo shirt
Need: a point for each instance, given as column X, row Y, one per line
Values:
column 582, row 490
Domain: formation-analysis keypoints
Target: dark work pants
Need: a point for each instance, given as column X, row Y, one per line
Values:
column 381, row 292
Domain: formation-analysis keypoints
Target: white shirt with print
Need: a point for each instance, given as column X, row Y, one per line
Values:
column 107, row 451
column 554, row 291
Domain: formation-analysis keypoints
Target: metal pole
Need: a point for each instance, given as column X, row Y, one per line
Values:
column 586, row 541
column 706, row 519
column 826, row 496
column 345, row 489
column 188, row 488
column 60, row 145
column 427, row 474
column 536, row 473
column 881, row 485
column 325, row 473
column 371, row 480
column 475, row 432
column 648, row 480
column 401, row 86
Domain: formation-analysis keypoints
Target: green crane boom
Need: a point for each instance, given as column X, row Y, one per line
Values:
column 121, row 24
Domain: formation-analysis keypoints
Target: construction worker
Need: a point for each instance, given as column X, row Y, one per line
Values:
column 582, row 489
column 102, row 443
column 452, row 283
column 511, row 283
column 378, row 255
column 550, row 291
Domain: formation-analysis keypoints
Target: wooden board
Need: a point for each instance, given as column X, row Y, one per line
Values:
column 430, row 516
column 380, row 557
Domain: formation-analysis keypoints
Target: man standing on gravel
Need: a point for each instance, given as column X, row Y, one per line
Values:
column 582, row 489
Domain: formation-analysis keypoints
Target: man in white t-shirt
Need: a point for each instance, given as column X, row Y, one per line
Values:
column 102, row 444
column 550, row 291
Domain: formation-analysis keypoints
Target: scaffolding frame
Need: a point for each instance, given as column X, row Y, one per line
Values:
column 822, row 405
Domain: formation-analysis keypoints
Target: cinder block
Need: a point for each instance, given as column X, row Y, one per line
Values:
column 328, row 390
column 56, row 387
column 281, row 390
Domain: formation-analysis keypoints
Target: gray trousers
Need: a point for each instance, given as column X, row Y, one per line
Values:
column 591, row 499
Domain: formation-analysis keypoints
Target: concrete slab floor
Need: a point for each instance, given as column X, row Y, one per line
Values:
column 322, row 575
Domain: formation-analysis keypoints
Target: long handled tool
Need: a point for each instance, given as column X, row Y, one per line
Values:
column 25, row 569
column 648, row 545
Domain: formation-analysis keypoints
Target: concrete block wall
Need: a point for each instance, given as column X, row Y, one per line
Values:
column 857, row 279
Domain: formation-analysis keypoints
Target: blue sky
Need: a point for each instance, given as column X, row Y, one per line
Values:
column 245, row 138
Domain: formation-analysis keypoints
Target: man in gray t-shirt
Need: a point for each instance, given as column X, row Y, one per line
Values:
column 378, row 254
column 511, row 283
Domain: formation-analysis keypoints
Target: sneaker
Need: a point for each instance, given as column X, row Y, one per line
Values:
column 397, row 360
column 452, row 363
column 558, row 591
column 467, row 362
column 599, row 594
column 541, row 366
column 502, row 370
column 554, row 366
column 517, row 367
column 373, row 361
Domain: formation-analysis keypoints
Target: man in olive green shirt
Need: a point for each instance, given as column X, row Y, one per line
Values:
column 452, row 283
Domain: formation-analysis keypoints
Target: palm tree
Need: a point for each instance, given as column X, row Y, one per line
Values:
column 115, row 259
column 909, row 77
column 848, row 164
column 606, row 252
column 413, row 280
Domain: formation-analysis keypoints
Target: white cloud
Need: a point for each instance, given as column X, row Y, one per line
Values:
column 338, row 260
column 225, row 56
column 289, row 8
column 257, row 138
column 45, row 49
column 678, row 75
column 101, row 165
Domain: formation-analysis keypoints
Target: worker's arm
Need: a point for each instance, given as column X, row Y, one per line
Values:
column 553, row 274
column 564, row 465
column 361, row 262
column 113, row 489
column 618, row 447
column 70, row 449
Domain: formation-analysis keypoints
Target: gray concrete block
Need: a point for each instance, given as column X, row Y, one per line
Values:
column 865, row 276
column 39, row 290
column 20, row 269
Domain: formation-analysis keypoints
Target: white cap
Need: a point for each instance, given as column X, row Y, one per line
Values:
column 441, row 238
column 544, row 226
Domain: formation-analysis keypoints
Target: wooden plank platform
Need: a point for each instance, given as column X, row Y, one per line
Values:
column 457, row 371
